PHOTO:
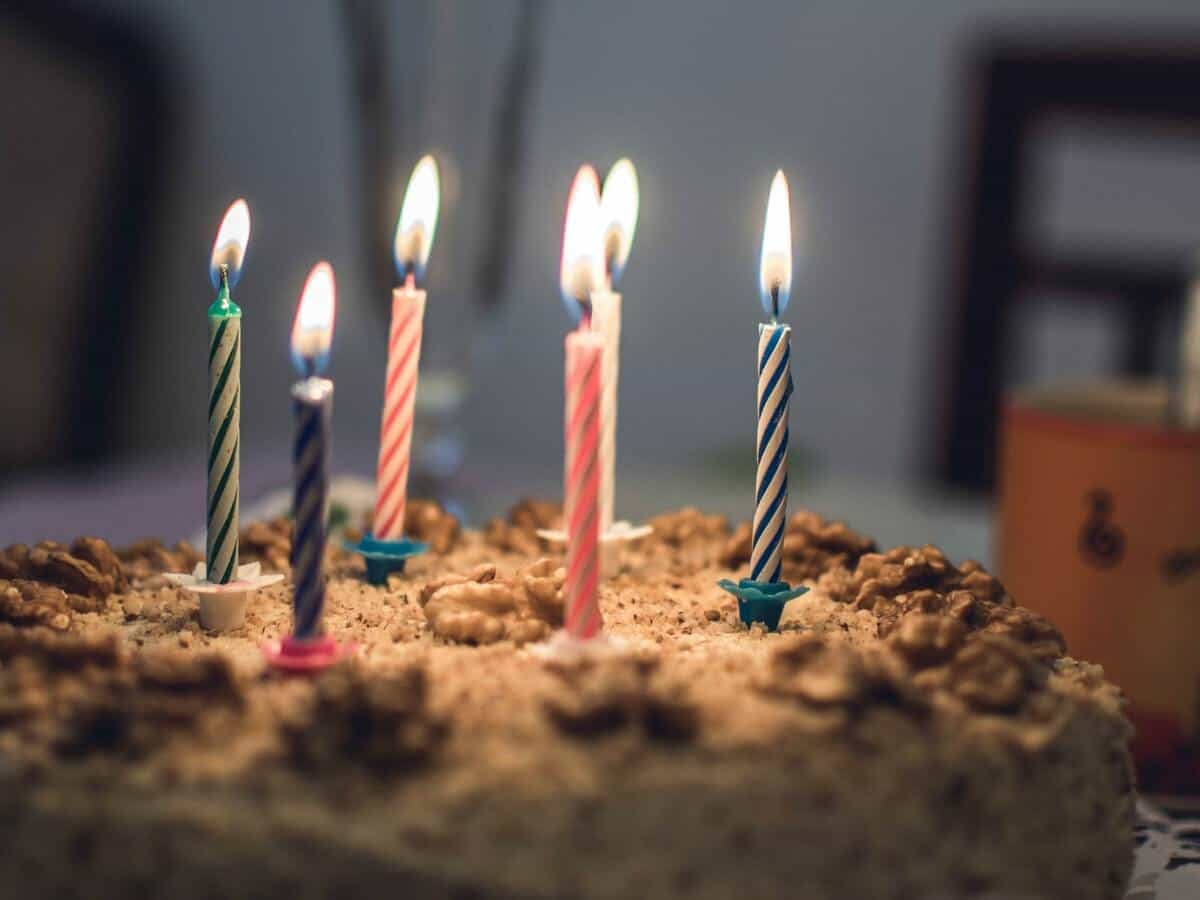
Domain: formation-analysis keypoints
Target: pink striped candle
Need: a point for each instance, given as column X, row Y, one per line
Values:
column 413, row 241
column 581, row 481
column 399, row 396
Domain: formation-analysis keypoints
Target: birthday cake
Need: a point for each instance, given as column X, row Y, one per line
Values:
column 907, row 732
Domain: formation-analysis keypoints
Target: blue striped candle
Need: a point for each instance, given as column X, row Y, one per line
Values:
column 313, row 404
column 771, row 480
column 774, row 388
column 312, row 399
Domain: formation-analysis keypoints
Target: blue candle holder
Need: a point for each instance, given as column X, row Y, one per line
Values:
column 384, row 557
column 761, row 601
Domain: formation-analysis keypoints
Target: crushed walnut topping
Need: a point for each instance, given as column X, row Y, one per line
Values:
column 46, row 583
column 380, row 719
column 811, row 547
column 148, row 557
column 595, row 697
column 75, row 695
column 925, row 656
column 908, row 581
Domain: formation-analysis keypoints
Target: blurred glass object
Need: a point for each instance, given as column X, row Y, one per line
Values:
column 422, row 86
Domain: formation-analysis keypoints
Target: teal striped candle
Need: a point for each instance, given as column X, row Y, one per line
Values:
column 225, row 396
column 224, row 433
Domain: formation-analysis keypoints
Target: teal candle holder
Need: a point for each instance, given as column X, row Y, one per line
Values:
column 384, row 558
column 761, row 601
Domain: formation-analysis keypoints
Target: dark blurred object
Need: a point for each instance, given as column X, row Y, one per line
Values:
column 508, row 153
column 81, row 183
column 375, row 104
column 1016, row 85
column 375, row 111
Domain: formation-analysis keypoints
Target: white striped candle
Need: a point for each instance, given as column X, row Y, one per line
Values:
column 618, row 217
column 606, row 319
column 581, row 481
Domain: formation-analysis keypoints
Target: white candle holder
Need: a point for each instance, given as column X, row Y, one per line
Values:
column 223, row 606
column 563, row 649
column 612, row 543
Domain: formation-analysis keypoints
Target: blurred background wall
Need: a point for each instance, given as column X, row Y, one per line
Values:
column 860, row 103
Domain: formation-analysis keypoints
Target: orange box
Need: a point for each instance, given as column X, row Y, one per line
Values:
column 1099, row 530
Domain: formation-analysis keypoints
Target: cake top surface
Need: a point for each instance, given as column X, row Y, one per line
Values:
column 104, row 666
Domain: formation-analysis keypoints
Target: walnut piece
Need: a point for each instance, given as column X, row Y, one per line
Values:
column 994, row 674
column 833, row 673
column 149, row 556
column 1037, row 633
column 927, row 640
column 686, row 525
column 103, row 559
column 73, row 575
column 480, row 609
column 13, row 560
column 268, row 543
column 811, row 546
column 428, row 521
column 29, row 603
column 518, row 533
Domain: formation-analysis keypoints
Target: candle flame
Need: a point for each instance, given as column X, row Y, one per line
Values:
column 775, row 269
column 582, row 249
column 229, row 249
column 619, row 215
column 418, row 220
column 312, row 331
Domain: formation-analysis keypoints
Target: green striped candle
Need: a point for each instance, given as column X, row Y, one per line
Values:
column 224, row 398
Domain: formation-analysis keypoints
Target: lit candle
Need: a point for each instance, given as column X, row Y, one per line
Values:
column 414, row 238
column 312, row 333
column 774, row 389
column 580, row 273
column 618, row 219
column 224, row 396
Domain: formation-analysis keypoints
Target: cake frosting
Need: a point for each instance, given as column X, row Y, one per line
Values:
column 909, row 732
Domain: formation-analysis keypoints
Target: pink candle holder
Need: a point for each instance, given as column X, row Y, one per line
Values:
column 306, row 657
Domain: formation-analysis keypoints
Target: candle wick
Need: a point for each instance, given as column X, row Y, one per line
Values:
column 410, row 278
column 225, row 275
column 774, row 303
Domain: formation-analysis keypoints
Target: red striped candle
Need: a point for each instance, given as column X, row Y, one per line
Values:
column 581, row 481
column 414, row 238
column 400, row 391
